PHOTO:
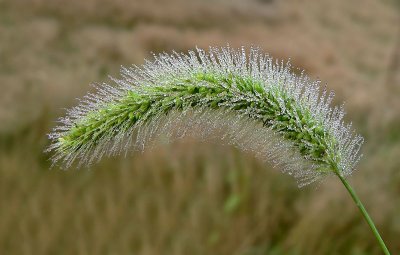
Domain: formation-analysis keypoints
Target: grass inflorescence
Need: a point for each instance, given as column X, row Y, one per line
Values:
column 247, row 84
column 256, row 104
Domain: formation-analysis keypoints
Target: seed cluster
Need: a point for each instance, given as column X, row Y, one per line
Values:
column 247, row 85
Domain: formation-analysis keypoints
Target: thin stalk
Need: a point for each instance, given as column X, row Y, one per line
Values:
column 365, row 214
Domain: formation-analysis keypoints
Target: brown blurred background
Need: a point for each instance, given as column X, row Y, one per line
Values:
column 191, row 197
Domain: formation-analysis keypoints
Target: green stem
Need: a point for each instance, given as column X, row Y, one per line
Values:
column 365, row 214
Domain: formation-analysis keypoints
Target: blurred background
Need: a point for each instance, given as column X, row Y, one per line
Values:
column 190, row 197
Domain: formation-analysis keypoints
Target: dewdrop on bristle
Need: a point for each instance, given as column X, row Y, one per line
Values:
column 237, row 97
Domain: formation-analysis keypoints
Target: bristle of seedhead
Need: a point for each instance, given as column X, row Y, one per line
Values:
column 233, row 96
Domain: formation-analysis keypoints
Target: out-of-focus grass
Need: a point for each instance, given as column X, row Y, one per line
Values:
column 189, row 197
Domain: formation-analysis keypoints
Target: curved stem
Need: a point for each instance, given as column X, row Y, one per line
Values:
column 365, row 214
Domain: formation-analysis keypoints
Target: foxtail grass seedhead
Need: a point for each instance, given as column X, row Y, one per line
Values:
column 238, row 97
